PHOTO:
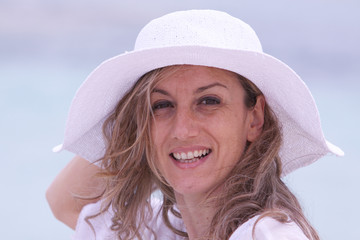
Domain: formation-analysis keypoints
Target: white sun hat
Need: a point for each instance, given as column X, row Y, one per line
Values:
column 206, row 38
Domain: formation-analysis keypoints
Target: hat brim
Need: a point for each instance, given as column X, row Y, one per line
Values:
column 285, row 92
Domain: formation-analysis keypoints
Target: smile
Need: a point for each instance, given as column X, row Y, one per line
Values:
column 191, row 156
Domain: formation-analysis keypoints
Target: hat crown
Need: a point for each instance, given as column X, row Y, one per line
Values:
column 208, row 28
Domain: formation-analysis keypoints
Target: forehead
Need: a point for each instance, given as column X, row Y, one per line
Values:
column 193, row 75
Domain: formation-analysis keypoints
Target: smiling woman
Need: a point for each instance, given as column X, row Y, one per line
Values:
column 213, row 124
column 202, row 113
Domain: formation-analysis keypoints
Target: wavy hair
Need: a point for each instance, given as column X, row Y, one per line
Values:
column 253, row 187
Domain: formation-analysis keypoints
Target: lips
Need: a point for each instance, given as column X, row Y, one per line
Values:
column 190, row 156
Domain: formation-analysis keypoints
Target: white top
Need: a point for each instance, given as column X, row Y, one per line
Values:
column 266, row 229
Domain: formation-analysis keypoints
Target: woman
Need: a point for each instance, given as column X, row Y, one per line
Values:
column 199, row 112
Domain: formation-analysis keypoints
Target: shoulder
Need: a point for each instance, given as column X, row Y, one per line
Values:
column 268, row 228
column 99, row 227
column 89, row 227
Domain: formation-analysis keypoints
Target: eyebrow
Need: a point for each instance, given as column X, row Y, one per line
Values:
column 199, row 90
column 156, row 90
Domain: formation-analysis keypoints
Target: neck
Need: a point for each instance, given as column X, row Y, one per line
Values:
column 197, row 214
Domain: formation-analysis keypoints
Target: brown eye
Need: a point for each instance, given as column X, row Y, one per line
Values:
column 161, row 105
column 209, row 101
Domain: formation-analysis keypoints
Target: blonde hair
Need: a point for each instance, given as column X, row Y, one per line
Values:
column 253, row 187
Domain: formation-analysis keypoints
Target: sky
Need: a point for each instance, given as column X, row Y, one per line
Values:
column 47, row 48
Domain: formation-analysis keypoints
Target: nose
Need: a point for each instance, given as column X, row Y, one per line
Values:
column 184, row 125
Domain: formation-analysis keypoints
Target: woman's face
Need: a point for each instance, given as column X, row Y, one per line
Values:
column 200, row 127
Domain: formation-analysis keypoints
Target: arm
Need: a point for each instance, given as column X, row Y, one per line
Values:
column 76, row 179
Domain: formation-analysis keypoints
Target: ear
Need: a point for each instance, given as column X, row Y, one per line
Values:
column 256, row 117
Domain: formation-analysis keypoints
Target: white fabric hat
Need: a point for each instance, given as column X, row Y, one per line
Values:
column 207, row 38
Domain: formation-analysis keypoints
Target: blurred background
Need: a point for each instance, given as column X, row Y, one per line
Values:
column 47, row 48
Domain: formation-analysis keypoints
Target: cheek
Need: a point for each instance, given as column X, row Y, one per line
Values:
column 155, row 134
column 232, row 132
column 157, row 138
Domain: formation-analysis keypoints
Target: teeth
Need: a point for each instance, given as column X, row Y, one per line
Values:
column 190, row 156
column 188, row 160
column 196, row 153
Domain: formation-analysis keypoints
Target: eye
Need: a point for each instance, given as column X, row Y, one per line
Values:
column 161, row 105
column 209, row 101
